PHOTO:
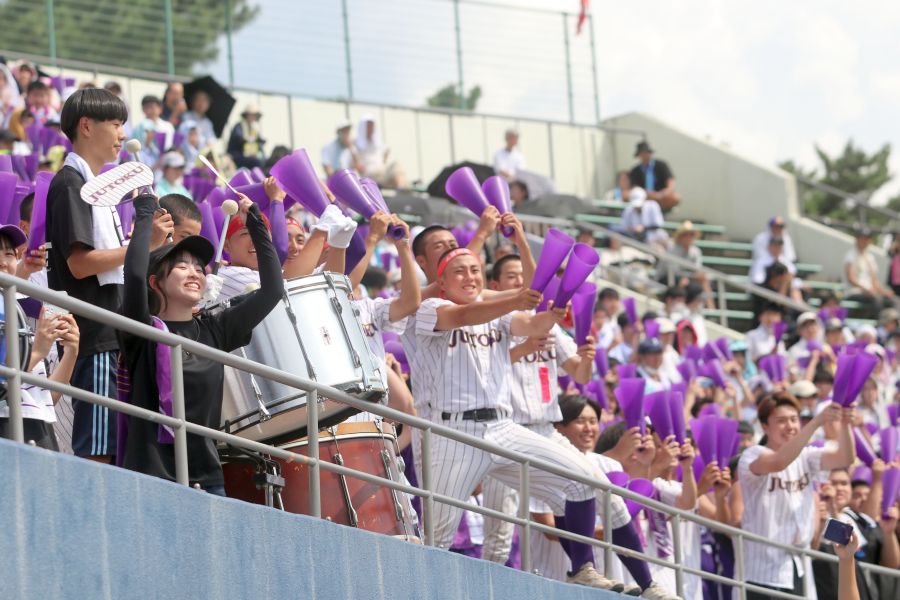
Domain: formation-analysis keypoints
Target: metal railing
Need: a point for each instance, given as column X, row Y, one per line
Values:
column 718, row 280
column 16, row 376
column 859, row 203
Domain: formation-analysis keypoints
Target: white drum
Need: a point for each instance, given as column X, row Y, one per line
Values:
column 314, row 333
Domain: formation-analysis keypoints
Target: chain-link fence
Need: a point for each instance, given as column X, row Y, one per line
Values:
column 527, row 62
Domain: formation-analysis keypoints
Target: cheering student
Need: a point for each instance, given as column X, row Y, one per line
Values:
column 776, row 482
column 86, row 257
column 161, row 288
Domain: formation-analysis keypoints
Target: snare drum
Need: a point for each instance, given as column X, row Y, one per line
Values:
column 25, row 337
column 346, row 500
column 313, row 333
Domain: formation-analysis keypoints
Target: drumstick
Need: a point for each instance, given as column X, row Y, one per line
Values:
column 133, row 146
column 230, row 208
column 208, row 164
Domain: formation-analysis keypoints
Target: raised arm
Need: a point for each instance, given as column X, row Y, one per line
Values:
column 454, row 316
column 378, row 225
column 137, row 260
column 410, row 297
column 521, row 241
column 526, row 324
column 773, row 462
column 276, row 217
column 580, row 366
column 490, row 219
column 842, row 456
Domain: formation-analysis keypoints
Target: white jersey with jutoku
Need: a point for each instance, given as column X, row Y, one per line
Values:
column 534, row 392
column 462, row 369
column 778, row 506
column 375, row 318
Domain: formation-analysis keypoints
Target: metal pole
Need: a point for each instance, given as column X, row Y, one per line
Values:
column 739, row 565
column 428, row 504
column 550, row 148
column 723, row 303
column 290, row 107
column 676, row 542
column 228, row 32
column 459, row 57
column 348, row 63
column 565, row 20
column 524, row 495
column 452, row 139
column 594, row 69
column 14, row 382
column 181, row 457
column 170, row 39
column 312, row 434
column 51, row 31
column 607, row 533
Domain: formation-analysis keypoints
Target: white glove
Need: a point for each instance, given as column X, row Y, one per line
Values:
column 331, row 216
column 341, row 234
column 214, row 285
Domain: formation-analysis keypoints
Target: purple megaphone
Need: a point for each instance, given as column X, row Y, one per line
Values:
column 201, row 188
column 630, row 310
column 557, row 246
column 643, row 487
column 496, row 190
column 216, row 197
column 851, row 375
column 676, row 411
column 374, row 193
column 710, row 408
column 893, row 413
column 126, row 217
column 651, row 328
column 724, row 348
column 726, row 441
column 862, row 473
column 656, row 405
column 687, row 369
column 773, row 365
column 711, row 351
column 597, row 391
column 296, row 176
column 207, row 223
column 626, row 371
column 396, row 348
column 619, row 478
column 713, row 370
column 6, row 163
column 348, row 189
column 890, row 490
column 890, row 437
column 630, row 394
column 8, row 182
column 549, row 292
column 864, row 449
column 583, row 311
column 241, row 178
column 462, row 186
column 257, row 174
column 601, row 360
column 693, row 353
column 257, row 193
column 355, row 252
column 37, row 234
column 703, row 430
column 582, row 262
column 159, row 138
column 778, row 330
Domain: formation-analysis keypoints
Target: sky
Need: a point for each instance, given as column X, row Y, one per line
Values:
column 769, row 79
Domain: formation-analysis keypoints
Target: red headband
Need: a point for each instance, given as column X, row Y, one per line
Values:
column 455, row 253
column 292, row 221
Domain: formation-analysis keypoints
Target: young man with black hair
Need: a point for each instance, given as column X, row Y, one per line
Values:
column 186, row 216
column 86, row 257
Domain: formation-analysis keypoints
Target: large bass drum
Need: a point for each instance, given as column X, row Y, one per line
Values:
column 313, row 333
column 24, row 336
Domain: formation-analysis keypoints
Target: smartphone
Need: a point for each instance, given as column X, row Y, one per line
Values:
column 51, row 310
column 838, row 532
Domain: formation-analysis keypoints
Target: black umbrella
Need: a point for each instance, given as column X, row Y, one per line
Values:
column 436, row 187
column 220, row 101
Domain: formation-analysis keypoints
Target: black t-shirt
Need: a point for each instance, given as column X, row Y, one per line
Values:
column 70, row 221
column 203, row 378
column 661, row 175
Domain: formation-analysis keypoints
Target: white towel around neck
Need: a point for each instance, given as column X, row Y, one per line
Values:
column 107, row 230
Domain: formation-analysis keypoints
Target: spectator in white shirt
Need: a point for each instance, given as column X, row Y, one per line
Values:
column 774, row 252
column 860, row 274
column 374, row 157
column 642, row 219
column 339, row 153
column 761, row 341
column 509, row 160
column 777, row 228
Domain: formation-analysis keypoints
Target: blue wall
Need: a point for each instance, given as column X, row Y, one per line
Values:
column 70, row 528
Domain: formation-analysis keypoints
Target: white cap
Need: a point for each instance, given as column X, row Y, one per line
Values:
column 876, row 350
column 866, row 330
column 173, row 159
column 802, row 388
column 806, row 317
column 343, row 124
column 637, row 196
column 665, row 325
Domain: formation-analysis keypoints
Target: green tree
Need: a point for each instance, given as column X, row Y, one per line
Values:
column 124, row 34
column 853, row 171
column 448, row 97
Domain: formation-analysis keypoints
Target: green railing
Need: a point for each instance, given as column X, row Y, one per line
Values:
column 527, row 61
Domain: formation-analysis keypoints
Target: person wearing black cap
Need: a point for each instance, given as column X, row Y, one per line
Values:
column 655, row 176
column 161, row 288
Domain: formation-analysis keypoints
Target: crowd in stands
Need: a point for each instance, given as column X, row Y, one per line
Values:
column 771, row 439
